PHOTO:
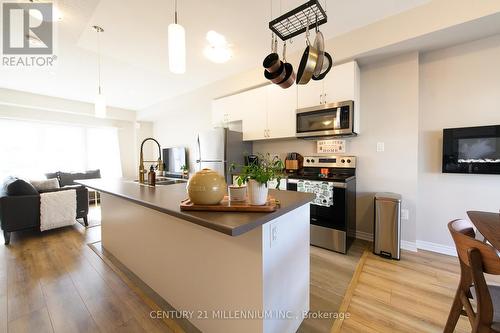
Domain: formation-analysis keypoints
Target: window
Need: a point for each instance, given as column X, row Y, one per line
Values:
column 30, row 149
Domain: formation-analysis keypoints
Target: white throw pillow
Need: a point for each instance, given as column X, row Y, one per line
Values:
column 45, row 184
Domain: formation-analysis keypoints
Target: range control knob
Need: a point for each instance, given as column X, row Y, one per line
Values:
column 343, row 161
column 312, row 160
column 308, row 161
column 348, row 161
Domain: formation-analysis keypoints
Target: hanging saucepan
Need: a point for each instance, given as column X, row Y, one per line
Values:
column 290, row 74
column 272, row 62
column 308, row 61
column 319, row 44
column 278, row 76
column 327, row 65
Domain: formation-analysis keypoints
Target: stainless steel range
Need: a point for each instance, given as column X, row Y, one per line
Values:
column 333, row 212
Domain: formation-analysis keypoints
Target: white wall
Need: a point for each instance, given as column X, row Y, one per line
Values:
column 27, row 106
column 459, row 87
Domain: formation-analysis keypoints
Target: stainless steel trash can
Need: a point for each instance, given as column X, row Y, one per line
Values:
column 387, row 225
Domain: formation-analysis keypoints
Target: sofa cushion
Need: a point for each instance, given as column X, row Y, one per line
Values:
column 67, row 178
column 45, row 184
column 16, row 186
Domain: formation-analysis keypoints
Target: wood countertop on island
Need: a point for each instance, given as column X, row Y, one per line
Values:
column 167, row 199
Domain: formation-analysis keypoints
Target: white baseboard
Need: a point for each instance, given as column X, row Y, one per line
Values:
column 364, row 236
column 439, row 248
column 414, row 246
column 409, row 246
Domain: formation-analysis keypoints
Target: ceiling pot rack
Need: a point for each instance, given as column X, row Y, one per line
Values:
column 294, row 22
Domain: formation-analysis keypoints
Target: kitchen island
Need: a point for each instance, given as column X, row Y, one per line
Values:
column 228, row 271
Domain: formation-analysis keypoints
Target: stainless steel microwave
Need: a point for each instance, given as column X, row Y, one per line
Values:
column 326, row 120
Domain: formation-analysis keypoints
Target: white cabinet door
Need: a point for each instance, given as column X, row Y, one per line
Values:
column 281, row 106
column 226, row 110
column 254, row 114
column 309, row 94
column 341, row 84
column 233, row 107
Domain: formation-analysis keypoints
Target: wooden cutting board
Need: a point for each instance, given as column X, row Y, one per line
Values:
column 227, row 206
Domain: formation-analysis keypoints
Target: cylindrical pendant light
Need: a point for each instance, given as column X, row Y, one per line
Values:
column 100, row 101
column 176, row 46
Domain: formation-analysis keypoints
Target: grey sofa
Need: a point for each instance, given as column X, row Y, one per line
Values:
column 20, row 205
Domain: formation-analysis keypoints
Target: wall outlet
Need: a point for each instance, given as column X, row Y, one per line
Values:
column 405, row 214
column 380, row 147
column 274, row 233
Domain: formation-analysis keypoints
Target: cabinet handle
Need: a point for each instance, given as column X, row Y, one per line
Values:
column 268, row 133
column 324, row 98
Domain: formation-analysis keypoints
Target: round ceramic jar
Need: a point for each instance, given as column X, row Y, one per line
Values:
column 206, row 187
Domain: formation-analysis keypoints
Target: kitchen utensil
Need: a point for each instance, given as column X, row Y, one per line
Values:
column 277, row 76
column 327, row 66
column 272, row 61
column 289, row 78
column 206, row 187
column 319, row 44
column 308, row 61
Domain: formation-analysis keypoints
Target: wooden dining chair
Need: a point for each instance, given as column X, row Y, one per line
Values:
column 476, row 258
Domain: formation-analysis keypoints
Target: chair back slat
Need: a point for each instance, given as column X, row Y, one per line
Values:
column 463, row 235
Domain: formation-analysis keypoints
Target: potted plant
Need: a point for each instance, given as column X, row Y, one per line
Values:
column 185, row 171
column 257, row 174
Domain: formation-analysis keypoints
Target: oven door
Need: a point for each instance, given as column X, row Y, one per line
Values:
column 325, row 120
column 328, row 209
column 472, row 150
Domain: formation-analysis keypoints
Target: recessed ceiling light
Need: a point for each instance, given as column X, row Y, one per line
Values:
column 218, row 49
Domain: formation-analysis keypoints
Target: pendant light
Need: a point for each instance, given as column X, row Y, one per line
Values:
column 100, row 101
column 176, row 46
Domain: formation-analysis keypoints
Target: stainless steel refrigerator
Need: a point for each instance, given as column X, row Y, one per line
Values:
column 220, row 147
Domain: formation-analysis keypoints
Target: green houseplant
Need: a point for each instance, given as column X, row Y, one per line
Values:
column 185, row 171
column 257, row 174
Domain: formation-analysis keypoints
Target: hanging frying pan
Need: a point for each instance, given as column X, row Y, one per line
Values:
column 319, row 44
column 327, row 65
column 308, row 61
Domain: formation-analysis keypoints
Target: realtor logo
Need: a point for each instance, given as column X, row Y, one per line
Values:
column 27, row 28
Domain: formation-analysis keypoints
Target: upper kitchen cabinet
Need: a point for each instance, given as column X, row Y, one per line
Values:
column 341, row 84
column 233, row 108
column 266, row 112
column 281, row 106
column 276, row 119
column 254, row 121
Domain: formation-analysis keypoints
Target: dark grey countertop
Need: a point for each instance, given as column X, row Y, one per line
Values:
column 167, row 199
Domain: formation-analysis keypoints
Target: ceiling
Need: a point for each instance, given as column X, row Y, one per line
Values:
column 134, row 45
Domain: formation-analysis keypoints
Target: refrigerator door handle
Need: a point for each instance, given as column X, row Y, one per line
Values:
column 199, row 149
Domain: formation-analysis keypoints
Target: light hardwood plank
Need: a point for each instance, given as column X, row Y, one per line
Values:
column 411, row 295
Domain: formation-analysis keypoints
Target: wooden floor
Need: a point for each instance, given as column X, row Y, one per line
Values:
column 53, row 282
column 411, row 295
column 331, row 274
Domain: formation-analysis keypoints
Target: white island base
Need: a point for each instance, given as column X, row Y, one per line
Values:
column 220, row 278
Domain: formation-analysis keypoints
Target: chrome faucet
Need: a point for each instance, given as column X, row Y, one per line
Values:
column 142, row 170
